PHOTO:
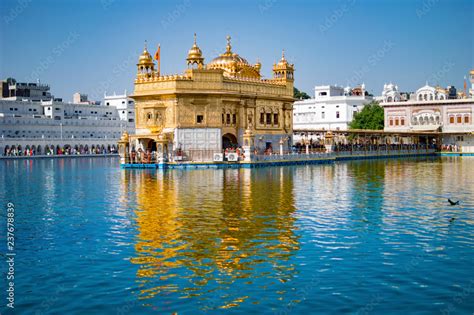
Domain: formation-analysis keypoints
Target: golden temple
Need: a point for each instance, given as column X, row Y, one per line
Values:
column 211, row 107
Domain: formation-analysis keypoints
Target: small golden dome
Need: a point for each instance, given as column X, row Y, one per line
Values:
column 195, row 54
column 283, row 63
column 258, row 66
column 233, row 65
column 145, row 58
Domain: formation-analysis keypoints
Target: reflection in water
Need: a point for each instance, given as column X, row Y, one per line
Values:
column 201, row 232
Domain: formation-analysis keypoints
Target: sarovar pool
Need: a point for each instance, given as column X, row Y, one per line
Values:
column 353, row 237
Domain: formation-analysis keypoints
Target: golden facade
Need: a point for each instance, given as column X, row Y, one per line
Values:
column 211, row 106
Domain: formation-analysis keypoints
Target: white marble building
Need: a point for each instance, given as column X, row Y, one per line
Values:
column 431, row 110
column 332, row 108
column 124, row 104
column 37, row 123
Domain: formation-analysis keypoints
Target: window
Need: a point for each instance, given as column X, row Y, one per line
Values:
column 402, row 122
column 108, row 103
column 459, row 119
column 199, row 119
column 391, row 122
column 397, row 122
column 269, row 119
column 223, row 119
column 323, row 115
column 234, row 119
column 451, row 119
column 337, row 115
column 228, row 119
column 466, row 119
column 275, row 119
column 262, row 118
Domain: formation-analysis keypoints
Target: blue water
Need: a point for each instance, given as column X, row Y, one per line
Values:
column 365, row 237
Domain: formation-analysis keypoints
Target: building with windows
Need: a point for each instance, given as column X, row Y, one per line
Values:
column 18, row 91
column 332, row 108
column 124, row 104
column 434, row 109
column 210, row 106
column 27, row 121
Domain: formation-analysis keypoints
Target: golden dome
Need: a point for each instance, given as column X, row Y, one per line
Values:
column 195, row 54
column 145, row 58
column 283, row 63
column 233, row 65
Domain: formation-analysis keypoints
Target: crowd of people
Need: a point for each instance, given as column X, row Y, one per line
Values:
column 18, row 151
column 450, row 148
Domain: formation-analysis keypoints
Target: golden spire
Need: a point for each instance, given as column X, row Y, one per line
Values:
column 195, row 55
column 229, row 46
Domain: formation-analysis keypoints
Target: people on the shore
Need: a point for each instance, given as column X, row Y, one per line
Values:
column 18, row 151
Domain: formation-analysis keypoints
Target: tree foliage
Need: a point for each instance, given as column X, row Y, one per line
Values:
column 300, row 94
column 370, row 117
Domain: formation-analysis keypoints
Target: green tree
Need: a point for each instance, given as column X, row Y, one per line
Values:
column 370, row 117
column 300, row 94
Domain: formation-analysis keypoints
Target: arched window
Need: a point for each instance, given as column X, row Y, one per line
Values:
column 389, row 99
column 149, row 116
column 420, row 97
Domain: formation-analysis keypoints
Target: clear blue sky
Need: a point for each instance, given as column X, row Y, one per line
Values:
column 92, row 46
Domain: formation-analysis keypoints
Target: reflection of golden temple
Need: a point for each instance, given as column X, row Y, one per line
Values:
column 216, row 237
column 209, row 107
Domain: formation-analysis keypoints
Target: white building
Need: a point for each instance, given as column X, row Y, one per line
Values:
column 332, row 108
column 432, row 110
column 26, row 122
column 124, row 104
